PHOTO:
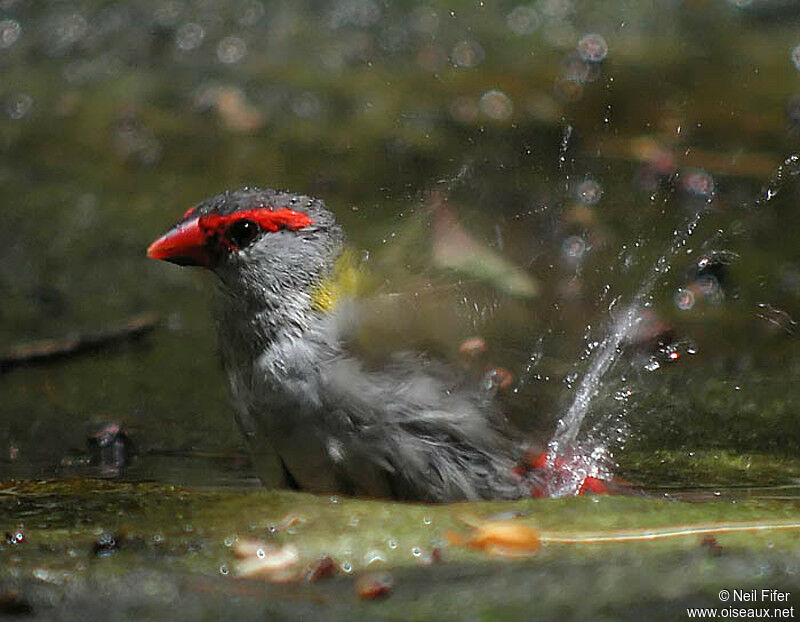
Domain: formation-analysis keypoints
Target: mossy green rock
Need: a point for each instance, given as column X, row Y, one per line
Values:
column 175, row 559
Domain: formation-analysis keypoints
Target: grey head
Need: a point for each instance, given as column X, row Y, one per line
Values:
column 254, row 238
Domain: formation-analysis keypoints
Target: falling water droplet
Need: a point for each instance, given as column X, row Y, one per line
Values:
column 789, row 168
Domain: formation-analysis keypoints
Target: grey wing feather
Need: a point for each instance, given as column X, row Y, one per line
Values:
column 431, row 437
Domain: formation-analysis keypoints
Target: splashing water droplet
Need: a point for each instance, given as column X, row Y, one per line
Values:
column 562, row 153
column 610, row 348
column 789, row 168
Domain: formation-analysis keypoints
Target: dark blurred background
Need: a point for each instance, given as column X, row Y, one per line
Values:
column 577, row 140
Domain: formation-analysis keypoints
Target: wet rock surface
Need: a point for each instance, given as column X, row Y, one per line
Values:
column 180, row 547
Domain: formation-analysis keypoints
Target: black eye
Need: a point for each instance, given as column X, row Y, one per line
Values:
column 242, row 233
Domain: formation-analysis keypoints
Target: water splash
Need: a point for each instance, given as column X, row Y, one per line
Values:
column 572, row 459
column 789, row 168
column 588, row 460
column 776, row 317
column 562, row 154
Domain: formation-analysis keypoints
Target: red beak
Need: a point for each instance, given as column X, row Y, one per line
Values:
column 186, row 244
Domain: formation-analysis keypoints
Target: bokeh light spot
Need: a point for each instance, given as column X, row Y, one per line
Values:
column 589, row 191
column 18, row 105
column 10, row 31
column 795, row 56
column 573, row 248
column 699, row 182
column 231, row 50
column 468, row 54
column 592, row 48
column 189, row 36
column 496, row 105
column 523, row 20
column 684, row 299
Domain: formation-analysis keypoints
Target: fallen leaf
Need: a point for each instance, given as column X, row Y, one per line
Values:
column 371, row 586
column 501, row 538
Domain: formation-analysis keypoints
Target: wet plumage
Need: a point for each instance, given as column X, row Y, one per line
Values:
column 315, row 416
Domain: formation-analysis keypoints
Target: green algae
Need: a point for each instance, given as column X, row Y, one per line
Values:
column 175, row 551
column 710, row 467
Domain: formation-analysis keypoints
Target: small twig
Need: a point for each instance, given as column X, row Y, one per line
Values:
column 51, row 349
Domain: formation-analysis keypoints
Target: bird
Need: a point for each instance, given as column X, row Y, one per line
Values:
column 314, row 415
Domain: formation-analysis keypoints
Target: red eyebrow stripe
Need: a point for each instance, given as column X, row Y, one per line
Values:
column 189, row 212
column 267, row 219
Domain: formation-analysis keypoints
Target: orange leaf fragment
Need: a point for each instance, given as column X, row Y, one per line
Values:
column 323, row 568
column 372, row 586
column 502, row 538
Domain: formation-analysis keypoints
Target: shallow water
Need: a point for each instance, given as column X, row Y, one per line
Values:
column 576, row 158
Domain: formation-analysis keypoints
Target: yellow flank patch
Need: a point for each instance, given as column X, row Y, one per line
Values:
column 342, row 283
